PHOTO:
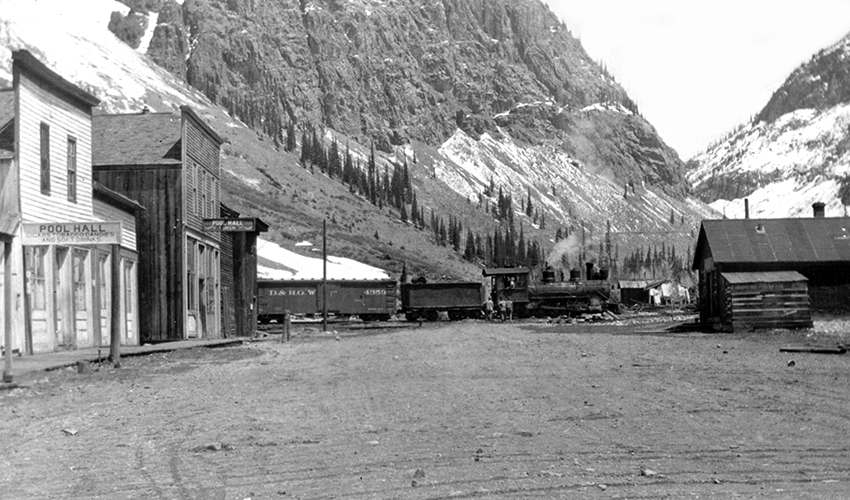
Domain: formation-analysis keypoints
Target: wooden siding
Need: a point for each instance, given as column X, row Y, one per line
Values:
column 201, row 171
column 38, row 105
column 228, row 293
column 160, row 270
column 8, row 196
column 766, row 305
column 107, row 213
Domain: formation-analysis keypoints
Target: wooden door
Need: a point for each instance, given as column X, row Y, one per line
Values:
column 129, row 277
column 37, row 298
column 62, row 301
column 80, row 279
column 212, row 312
column 103, row 283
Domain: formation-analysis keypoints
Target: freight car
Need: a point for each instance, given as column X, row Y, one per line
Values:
column 550, row 297
column 371, row 300
column 459, row 299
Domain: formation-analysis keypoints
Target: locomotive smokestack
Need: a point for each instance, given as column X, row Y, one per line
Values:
column 589, row 267
column 746, row 208
column 818, row 209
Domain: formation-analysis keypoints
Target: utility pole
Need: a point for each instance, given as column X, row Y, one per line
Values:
column 325, row 275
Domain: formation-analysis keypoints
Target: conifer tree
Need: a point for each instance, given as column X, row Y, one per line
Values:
column 469, row 251
column 305, row 148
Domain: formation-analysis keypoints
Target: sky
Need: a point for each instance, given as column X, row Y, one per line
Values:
column 696, row 69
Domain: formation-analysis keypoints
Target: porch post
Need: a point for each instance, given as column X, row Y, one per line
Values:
column 115, row 308
column 7, row 311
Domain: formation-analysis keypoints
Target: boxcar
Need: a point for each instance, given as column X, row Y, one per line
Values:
column 427, row 300
column 371, row 300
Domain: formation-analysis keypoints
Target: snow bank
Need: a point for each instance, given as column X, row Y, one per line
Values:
column 285, row 264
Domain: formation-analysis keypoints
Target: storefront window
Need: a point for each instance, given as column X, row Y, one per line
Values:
column 103, row 270
column 79, row 278
column 35, row 269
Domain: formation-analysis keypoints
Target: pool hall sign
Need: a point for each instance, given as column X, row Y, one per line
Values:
column 71, row 233
column 247, row 224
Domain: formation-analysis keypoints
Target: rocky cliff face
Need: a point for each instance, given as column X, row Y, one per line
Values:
column 821, row 83
column 390, row 72
column 795, row 152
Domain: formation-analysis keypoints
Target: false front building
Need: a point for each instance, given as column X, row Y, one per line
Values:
column 67, row 249
column 169, row 163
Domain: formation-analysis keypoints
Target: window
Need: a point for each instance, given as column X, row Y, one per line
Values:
column 104, row 271
column 210, row 199
column 203, row 207
column 35, row 269
column 45, row 158
column 190, row 275
column 72, row 170
column 78, row 278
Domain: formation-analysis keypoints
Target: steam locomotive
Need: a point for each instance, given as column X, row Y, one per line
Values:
column 378, row 300
column 550, row 297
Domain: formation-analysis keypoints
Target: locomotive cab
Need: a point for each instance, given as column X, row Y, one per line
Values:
column 509, row 283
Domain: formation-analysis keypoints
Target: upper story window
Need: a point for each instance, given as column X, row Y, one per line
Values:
column 72, row 169
column 45, row 158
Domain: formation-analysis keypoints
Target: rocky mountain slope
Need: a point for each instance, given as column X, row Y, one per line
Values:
column 471, row 93
column 795, row 152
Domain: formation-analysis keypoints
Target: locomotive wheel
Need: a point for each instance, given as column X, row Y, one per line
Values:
column 432, row 315
column 367, row 317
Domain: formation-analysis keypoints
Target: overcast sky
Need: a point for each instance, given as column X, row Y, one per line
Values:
column 697, row 69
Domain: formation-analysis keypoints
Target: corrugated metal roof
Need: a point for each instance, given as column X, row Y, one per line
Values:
column 763, row 277
column 136, row 139
column 816, row 239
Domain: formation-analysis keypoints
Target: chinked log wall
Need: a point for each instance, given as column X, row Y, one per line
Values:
column 767, row 305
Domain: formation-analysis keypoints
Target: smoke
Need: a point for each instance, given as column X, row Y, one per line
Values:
column 569, row 247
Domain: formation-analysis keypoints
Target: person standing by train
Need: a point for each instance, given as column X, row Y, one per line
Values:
column 488, row 308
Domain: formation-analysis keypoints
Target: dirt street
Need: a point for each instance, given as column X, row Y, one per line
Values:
column 449, row 410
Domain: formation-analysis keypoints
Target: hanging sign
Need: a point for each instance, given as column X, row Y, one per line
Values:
column 71, row 233
column 245, row 224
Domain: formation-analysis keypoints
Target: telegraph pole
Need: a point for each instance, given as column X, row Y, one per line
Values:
column 325, row 275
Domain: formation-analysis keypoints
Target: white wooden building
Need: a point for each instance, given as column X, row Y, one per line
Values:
column 66, row 249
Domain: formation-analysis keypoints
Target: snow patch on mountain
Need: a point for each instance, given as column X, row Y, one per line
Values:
column 277, row 262
column 786, row 165
column 145, row 42
column 72, row 39
column 607, row 106
column 564, row 186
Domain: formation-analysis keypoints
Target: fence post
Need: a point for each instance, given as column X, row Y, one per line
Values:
column 287, row 323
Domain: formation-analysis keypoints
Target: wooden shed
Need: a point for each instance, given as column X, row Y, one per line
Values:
column 633, row 292
column 770, row 299
column 817, row 248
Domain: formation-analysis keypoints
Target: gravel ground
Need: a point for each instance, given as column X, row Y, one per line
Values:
column 448, row 410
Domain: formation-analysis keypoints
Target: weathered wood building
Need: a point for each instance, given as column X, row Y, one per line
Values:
column 170, row 164
column 730, row 254
column 64, row 246
column 239, row 287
